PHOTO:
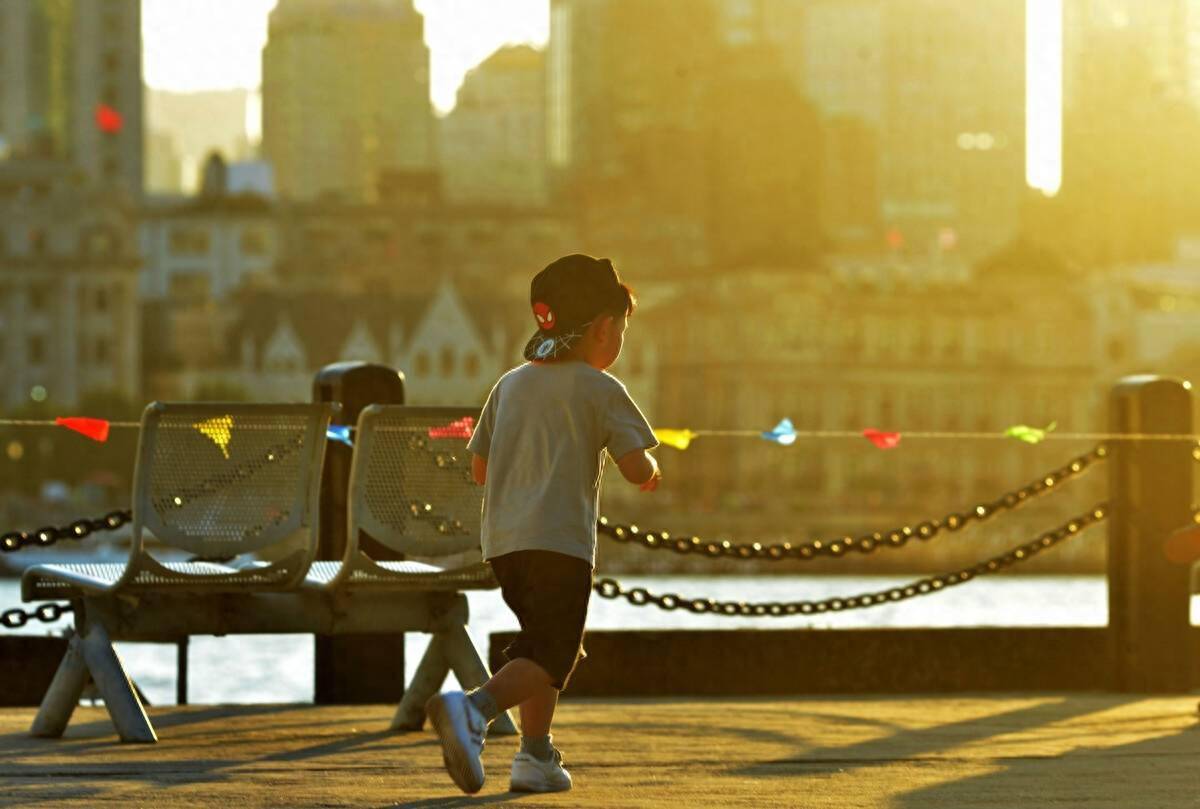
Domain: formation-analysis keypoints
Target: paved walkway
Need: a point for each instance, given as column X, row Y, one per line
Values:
column 960, row 751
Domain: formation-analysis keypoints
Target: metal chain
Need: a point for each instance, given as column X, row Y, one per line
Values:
column 44, row 537
column 865, row 543
column 639, row 596
column 46, row 613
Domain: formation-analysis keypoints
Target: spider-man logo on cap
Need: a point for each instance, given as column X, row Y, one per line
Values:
column 566, row 297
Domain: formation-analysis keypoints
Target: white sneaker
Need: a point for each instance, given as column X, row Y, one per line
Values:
column 530, row 774
column 461, row 727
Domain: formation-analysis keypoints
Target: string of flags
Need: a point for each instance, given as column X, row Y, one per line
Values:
column 220, row 431
column 785, row 434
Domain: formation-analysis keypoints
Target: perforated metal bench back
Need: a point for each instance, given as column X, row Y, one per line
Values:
column 411, row 486
column 222, row 480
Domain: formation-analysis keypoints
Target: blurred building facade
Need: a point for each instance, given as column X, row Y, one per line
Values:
column 68, row 292
column 71, row 86
column 345, row 96
column 492, row 146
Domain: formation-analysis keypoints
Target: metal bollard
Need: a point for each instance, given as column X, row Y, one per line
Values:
column 1150, row 493
column 353, row 669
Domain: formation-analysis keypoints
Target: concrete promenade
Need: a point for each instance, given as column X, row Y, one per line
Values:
column 921, row 751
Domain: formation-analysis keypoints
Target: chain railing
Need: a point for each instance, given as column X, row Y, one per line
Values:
column 864, row 543
column 46, row 613
column 639, row 596
column 45, row 537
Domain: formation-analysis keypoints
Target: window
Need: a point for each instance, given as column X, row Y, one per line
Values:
column 188, row 241
column 100, row 243
column 37, row 241
column 448, row 361
column 422, row 364
column 112, row 61
column 471, row 365
column 102, row 350
column 102, row 299
column 38, row 298
column 37, row 349
column 253, row 242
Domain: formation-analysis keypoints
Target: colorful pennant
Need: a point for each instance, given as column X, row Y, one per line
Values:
column 783, row 433
column 219, row 429
column 459, row 428
column 1030, row 435
column 339, row 432
column 680, row 439
column 95, row 429
column 881, row 439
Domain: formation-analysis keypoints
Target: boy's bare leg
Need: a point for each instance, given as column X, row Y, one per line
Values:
column 516, row 682
column 537, row 712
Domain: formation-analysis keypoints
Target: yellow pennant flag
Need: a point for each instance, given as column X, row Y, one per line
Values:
column 680, row 439
column 220, row 430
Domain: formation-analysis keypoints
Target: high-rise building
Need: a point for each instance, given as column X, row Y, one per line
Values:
column 628, row 91
column 1166, row 31
column 68, row 298
column 492, row 147
column 71, row 85
column 345, row 96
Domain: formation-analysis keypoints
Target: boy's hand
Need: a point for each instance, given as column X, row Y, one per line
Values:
column 652, row 484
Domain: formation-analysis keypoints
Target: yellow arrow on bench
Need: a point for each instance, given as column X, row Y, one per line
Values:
column 219, row 429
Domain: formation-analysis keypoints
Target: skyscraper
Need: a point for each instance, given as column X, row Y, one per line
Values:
column 345, row 96
column 71, row 85
column 492, row 147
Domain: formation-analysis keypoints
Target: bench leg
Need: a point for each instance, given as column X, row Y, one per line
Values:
column 427, row 681
column 126, row 710
column 63, row 694
column 468, row 667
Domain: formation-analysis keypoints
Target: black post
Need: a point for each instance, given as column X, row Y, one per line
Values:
column 181, row 670
column 353, row 669
column 1150, row 491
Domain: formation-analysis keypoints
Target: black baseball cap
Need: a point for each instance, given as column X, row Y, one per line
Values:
column 566, row 297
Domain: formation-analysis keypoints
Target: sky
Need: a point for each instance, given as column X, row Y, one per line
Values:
column 191, row 45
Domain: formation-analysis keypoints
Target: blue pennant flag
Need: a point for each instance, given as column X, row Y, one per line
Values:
column 339, row 432
column 783, row 433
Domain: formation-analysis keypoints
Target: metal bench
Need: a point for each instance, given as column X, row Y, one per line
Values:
column 224, row 482
column 220, row 482
column 411, row 491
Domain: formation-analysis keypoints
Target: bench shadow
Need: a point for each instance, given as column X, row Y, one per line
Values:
column 99, row 733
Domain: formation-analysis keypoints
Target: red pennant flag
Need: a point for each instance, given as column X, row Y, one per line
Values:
column 108, row 119
column 459, row 428
column 95, row 429
column 881, row 439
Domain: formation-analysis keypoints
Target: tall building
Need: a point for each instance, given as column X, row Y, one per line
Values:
column 345, row 96
column 68, row 294
column 627, row 117
column 71, row 85
column 492, row 146
column 952, row 156
column 1167, row 32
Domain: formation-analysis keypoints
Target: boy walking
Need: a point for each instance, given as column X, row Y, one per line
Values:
column 539, row 451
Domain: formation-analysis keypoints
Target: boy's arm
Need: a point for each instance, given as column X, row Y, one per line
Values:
column 479, row 469
column 640, row 468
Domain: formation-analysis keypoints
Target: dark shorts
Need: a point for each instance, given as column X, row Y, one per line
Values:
column 549, row 594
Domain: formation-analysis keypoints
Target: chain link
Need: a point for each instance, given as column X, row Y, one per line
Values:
column 46, row 613
column 639, row 596
column 44, row 537
column 865, row 543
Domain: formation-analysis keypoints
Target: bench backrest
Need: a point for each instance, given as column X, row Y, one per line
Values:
column 410, row 481
column 220, row 480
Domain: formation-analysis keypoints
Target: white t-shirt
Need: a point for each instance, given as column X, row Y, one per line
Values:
column 543, row 432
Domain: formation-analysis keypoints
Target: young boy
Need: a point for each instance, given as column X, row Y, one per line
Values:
column 539, row 451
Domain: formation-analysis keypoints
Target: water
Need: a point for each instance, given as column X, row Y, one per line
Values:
column 279, row 668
